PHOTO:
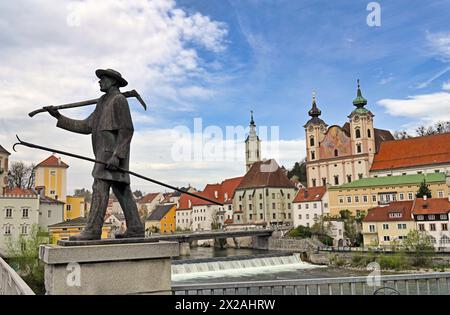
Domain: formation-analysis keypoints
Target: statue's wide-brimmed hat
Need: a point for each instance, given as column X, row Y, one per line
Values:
column 113, row 74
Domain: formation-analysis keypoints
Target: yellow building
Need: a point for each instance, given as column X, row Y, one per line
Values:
column 363, row 194
column 162, row 219
column 74, row 208
column 51, row 174
column 385, row 225
column 63, row 230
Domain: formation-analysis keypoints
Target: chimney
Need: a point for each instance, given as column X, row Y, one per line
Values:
column 305, row 193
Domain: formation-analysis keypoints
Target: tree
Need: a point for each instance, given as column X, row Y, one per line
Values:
column 299, row 170
column 21, row 175
column 85, row 193
column 138, row 194
column 350, row 230
column 419, row 243
column 24, row 253
column 424, row 190
column 400, row 135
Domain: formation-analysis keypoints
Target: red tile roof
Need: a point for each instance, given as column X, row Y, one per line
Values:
column 265, row 174
column 310, row 194
column 52, row 161
column 382, row 214
column 426, row 150
column 431, row 206
column 148, row 198
column 18, row 192
column 214, row 192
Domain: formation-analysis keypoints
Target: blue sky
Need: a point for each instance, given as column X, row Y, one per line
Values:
column 279, row 51
column 217, row 60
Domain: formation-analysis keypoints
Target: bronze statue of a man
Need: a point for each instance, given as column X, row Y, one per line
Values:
column 112, row 129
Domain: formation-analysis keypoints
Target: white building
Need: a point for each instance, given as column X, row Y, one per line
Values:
column 4, row 155
column 432, row 216
column 19, row 212
column 309, row 205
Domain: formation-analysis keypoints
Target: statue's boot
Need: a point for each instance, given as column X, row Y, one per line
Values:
column 86, row 236
column 132, row 233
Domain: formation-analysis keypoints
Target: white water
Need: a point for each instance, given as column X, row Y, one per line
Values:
column 236, row 268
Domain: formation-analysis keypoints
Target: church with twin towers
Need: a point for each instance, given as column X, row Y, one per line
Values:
column 335, row 155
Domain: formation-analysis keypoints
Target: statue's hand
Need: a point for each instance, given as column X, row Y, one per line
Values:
column 52, row 111
column 113, row 163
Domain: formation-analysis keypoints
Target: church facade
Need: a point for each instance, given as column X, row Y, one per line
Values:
column 338, row 155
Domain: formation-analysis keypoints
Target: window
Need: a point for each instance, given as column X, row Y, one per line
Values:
column 421, row 227
column 360, row 176
column 8, row 213
column 288, row 196
column 25, row 213
column 315, row 205
column 401, row 196
column 432, row 227
column 260, row 206
column 357, row 133
column 260, row 196
column 289, row 216
column 431, row 217
column 349, row 199
column 401, row 226
column 325, row 205
column 357, row 199
column 336, row 180
column 311, row 141
column 52, row 192
column 49, row 214
column 349, row 178
column 369, row 133
column 299, row 207
column 443, row 217
column 260, row 216
column 385, row 226
column 365, row 198
column 341, row 199
column 250, row 207
column 371, row 228
column 249, row 197
column 387, row 238
column 299, row 216
column 420, row 218
column 307, row 217
column 358, row 148
column 440, row 194
column 273, row 195
column 336, row 153
column 24, row 229
column 315, row 216
column 374, row 198
column 52, row 172
column 324, row 181
column 313, row 155
column 444, row 227
column 273, row 205
column 314, row 184
column 274, row 216
column 240, row 198
column 307, row 206
column 289, row 206
column 250, row 216
column 7, row 229
column 410, row 196
column 394, row 215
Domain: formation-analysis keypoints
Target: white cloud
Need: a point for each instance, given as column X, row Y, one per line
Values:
column 50, row 50
column 446, row 85
column 440, row 44
column 426, row 108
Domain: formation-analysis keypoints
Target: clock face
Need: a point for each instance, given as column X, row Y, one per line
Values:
column 356, row 119
column 322, row 128
column 311, row 129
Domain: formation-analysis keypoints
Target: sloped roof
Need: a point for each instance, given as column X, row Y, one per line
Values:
column 48, row 200
column 52, row 161
column 393, row 180
column 426, row 150
column 431, row 206
column 310, row 194
column 3, row 151
column 382, row 214
column 19, row 192
column 265, row 174
column 159, row 212
column 148, row 198
column 77, row 222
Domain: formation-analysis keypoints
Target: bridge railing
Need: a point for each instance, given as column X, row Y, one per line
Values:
column 406, row 284
column 11, row 283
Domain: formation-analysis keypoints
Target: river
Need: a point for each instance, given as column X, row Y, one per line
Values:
column 207, row 265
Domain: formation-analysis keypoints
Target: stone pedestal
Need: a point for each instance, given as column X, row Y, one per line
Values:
column 141, row 268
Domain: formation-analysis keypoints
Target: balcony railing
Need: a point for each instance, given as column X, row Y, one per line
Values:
column 410, row 284
column 11, row 283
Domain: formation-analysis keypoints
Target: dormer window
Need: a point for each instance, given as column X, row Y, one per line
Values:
column 394, row 215
column 357, row 133
column 216, row 194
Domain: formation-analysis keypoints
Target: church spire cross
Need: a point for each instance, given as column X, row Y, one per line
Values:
column 314, row 111
column 252, row 121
